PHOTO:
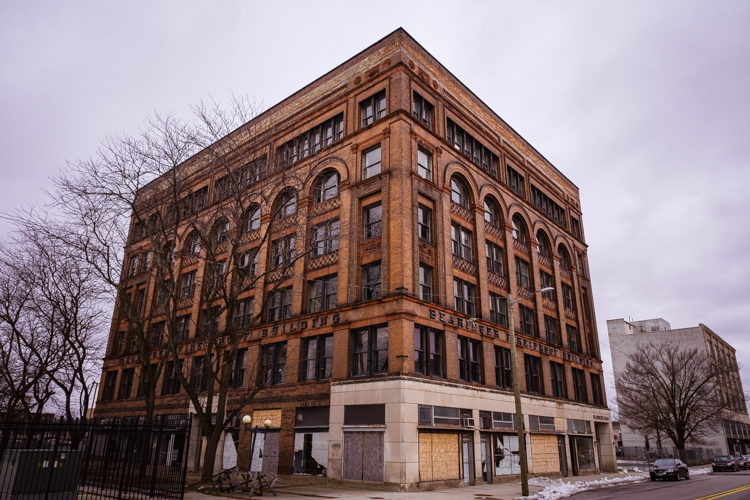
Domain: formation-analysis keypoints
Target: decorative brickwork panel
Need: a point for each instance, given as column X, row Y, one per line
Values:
column 549, row 304
column 438, row 457
column 497, row 280
column 464, row 265
column 372, row 246
column 189, row 260
column 281, row 274
column 545, row 261
column 462, row 212
column 525, row 293
column 495, row 231
column 566, row 274
column 251, row 236
column 326, row 206
column 185, row 303
column 324, row 260
column 157, row 311
column 426, row 250
column 521, row 247
column 544, row 454
column 570, row 313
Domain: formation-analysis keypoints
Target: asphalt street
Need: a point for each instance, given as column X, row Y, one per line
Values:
column 724, row 485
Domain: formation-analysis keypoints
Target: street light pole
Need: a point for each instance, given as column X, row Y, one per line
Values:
column 517, row 394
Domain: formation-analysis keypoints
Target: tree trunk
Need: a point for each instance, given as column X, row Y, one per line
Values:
column 209, row 458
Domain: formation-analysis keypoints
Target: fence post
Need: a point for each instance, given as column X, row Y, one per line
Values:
column 52, row 460
column 154, row 457
column 186, row 430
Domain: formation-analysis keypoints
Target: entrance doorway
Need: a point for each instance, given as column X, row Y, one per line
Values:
column 563, row 457
column 573, row 455
column 467, row 449
column 486, row 444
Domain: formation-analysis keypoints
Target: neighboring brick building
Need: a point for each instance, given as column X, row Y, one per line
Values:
column 624, row 336
column 402, row 374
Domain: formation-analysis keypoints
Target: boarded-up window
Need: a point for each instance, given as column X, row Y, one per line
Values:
column 544, row 454
column 364, row 456
column 438, row 456
column 364, row 415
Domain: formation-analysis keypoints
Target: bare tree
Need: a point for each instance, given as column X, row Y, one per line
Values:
column 51, row 329
column 204, row 222
column 669, row 390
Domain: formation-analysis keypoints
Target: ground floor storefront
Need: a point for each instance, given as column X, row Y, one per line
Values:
column 410, row 433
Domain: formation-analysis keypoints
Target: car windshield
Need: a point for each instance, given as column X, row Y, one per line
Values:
column 664, row 462
column 722, row 459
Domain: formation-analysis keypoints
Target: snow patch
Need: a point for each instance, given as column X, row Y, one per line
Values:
column 556, row 489
column 699, row 472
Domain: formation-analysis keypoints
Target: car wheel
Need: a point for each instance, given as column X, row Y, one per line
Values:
column 687, row 476
column 653, row 479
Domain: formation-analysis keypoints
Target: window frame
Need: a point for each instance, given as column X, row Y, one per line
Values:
column 557, row 379
column 494, row 254
column 579, row 385
column 429, row 349
column 320, row 364
column 464, row 297
column 283, row 251
column 322, row 192
column 498, row 309
column 469, row 359
column 462, row 242
column 374, row 168
column 426, row 283
column 372, row 290
column 527, row 321
column 280, row 304
column 503, row 368
column 273, row 360
column 424, row 223
column 379, row 107
column 369, row 354
column 424, row 167
column 325, row 238
column 533, row 373
column 372, row 228
column 328, row 297
column 422, row 109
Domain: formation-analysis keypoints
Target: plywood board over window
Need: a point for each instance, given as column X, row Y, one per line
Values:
column 364, row 456
column 438, row 456
column 544, row 454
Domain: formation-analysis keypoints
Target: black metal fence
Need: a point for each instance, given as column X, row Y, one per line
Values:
column 104, row 458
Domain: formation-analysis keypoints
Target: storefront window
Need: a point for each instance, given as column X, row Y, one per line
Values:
column 506, row 455
column 311, row 453
column 585, row 452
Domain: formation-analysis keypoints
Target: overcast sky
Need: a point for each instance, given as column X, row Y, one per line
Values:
column 642, row 104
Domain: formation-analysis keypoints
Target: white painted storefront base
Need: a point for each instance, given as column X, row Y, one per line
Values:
column 402, row 397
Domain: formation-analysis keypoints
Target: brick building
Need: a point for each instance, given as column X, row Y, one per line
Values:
column 388, row 343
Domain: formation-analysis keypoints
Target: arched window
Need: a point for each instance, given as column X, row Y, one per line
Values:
column 286, row 205
column 519, row 229
column 326, row 187
column 251, row 220
column 564, row 257
column 193, row 244
column 459, row 192
column 491, row 212
column 544, row 248
column 220, row 232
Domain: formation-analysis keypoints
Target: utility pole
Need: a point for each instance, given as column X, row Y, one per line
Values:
column 517, row 394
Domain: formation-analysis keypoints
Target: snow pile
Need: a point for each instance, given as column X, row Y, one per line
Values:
column 699, row 472
column 556, row 489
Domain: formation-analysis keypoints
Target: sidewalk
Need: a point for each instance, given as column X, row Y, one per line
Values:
column 504, row 491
